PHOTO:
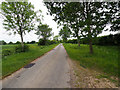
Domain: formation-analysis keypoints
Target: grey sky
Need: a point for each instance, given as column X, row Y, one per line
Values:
column 4, row 35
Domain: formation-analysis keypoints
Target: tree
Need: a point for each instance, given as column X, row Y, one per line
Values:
column 56, row 38
column 65, row 33
column 65, row 12
column 44, row 31
column 86, row 19
column 10, row 43
column 3, row 42
column 28, row 42
column 95, row 20
column 19, row 17
column 32, row 42
column 74, row 20
column 17, row 42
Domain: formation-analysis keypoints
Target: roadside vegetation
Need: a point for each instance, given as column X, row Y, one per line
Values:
column 16, row 61
column 104, row 59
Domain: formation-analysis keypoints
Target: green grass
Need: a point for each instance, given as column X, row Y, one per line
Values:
column 8, row 47
column 105, row 58
column 15, row 61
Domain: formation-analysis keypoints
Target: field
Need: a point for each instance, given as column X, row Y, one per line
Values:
column 8, row 47
column 15, row 61
column 104, row 59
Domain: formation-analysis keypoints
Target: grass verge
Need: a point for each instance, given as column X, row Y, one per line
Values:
column 16, row 61
column 105, row 58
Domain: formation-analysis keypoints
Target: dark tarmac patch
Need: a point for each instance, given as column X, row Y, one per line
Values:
column 29, row 65
column 17, row 76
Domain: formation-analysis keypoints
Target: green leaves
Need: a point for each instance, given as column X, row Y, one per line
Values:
column 65, row 33
column 18, row 15
column 44, row 31
column 79, row 15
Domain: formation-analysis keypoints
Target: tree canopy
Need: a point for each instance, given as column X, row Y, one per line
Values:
column 44, row 31
column 65, row 33
column 18, row 17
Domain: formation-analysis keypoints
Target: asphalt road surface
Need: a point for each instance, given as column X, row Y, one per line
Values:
column 49, row 71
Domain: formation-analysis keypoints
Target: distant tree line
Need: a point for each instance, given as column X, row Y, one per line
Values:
column 108, row 40
column 40, row 42
column 5, row 43
column 103, row 40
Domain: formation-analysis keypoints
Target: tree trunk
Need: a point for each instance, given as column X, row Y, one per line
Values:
column 91, row 47
column 44, row 38
column 65, row 40
column 78, row 42
column 21, row 35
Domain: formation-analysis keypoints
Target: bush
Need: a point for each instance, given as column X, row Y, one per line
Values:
column 109, row 40
column 10, row 43
column 17, row 42
column 3, row 42
column 41, row 42
column 6, row 53
column 32, row 42
column 19, row 49
column 47, row 42
column 73, row 41
column 103, row 40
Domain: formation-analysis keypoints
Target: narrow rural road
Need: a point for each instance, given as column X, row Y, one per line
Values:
column 49, row 71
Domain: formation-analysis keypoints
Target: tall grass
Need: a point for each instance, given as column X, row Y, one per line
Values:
column 105, row 58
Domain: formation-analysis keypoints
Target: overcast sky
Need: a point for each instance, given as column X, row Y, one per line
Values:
column 38, row 4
